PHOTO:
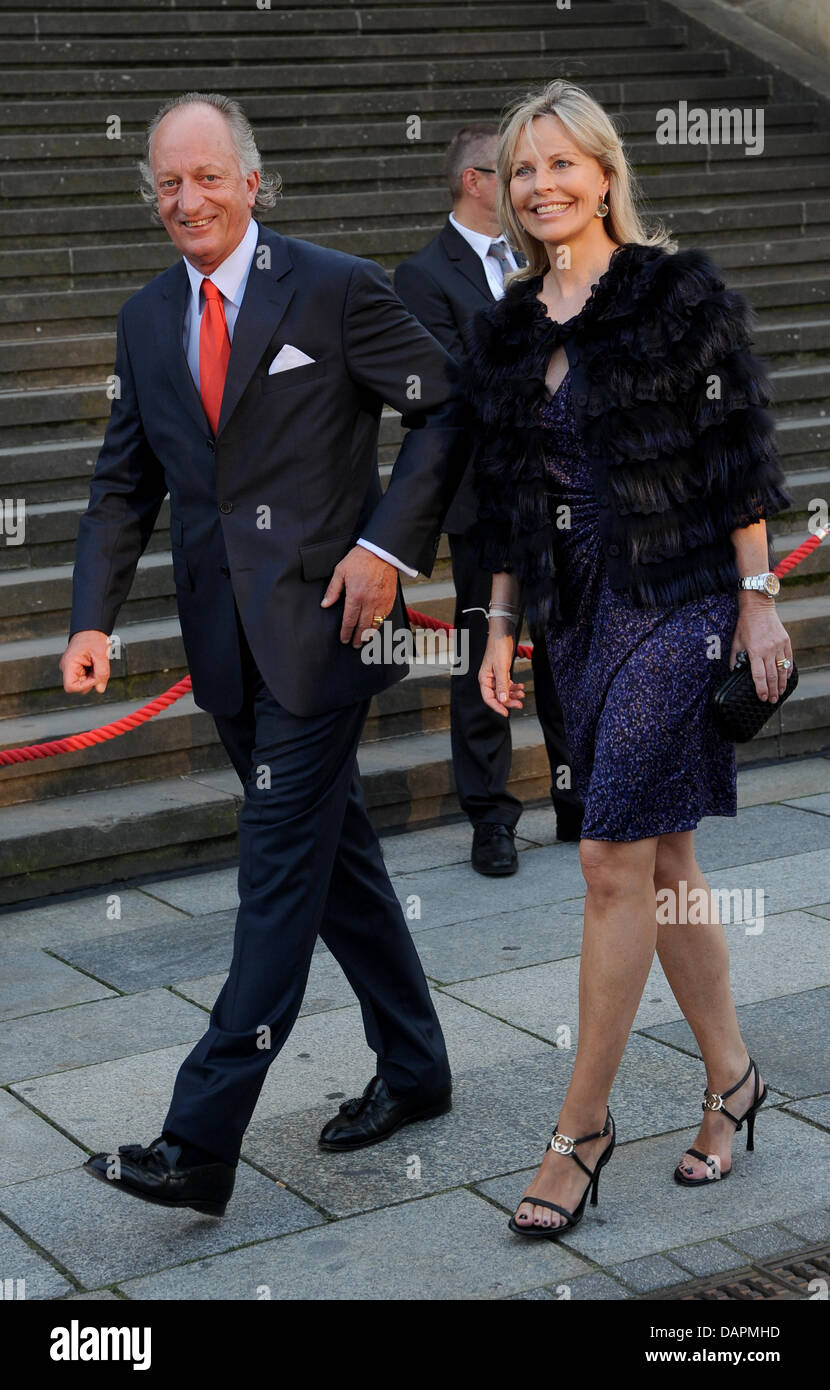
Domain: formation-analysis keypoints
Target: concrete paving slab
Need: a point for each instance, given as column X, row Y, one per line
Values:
column 504, row 941
column 326, row 1059
column 18, row 1261
column 816, row 1108
column 707, row 1257
column 97, row 1032
column 31, row 1147
column 782, row 780
column 94, row 1296
column 199, row 893
column 819, row 805
column 786, row 1036
column 647, row 1274
column 31, row 982
column 789, row 882
column 790, row 954
column 453, row 1246
column 100, row 1235
column 155, row 956
column 642, row 1211
column 492, row 1128
column 79, row 918
column 811, row 1227
column 458, row 893
column 757, row 831
column 763, row 1242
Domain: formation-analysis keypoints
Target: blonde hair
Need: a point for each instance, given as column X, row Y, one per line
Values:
column 595, row 133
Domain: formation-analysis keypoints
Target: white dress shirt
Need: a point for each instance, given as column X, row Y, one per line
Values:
column 230, row 278
column 480, row 243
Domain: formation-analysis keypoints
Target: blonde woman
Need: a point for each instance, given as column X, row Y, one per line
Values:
column 625, row 465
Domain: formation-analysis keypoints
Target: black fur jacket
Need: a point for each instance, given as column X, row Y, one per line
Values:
column 670, row 405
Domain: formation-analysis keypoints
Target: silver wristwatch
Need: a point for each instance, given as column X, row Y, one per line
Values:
column 766, row 583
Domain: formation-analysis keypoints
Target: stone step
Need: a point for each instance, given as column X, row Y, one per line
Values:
column 59, row 469
column 310, row 216
column 367, row 21
column 113, row 834
column 85, row 359
column 130, row 51
column 152, row 659
column 459, row 98
column 87, row 267
column 361, row 74
column 398, row 169
column 56, row 149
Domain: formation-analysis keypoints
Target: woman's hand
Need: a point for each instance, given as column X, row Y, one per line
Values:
column 761, row 634
column 497, row 689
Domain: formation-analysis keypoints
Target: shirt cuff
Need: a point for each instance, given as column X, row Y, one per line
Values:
column 384, row 555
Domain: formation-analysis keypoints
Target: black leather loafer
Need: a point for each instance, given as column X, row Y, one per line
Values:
column 493, row 851
column 155, row 1174
column 377, row 1113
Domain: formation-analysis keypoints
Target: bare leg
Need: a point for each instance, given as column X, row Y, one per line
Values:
column 617, row 951
column 695, row 959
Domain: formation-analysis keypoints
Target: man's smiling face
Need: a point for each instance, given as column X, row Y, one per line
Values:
column 204, row 201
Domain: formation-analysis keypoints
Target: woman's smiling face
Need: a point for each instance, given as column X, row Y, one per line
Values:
column 556, row 186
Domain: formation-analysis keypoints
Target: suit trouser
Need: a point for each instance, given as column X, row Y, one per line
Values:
column 309, row 864
column 481, row 742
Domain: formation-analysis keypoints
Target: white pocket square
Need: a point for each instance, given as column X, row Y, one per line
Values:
column 288, row 357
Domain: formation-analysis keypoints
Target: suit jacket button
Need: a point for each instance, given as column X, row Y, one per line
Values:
column 223, row 569
column 226, row 507
column 603, row 499
column 211, row 446
column 613, row 550
column 582, row 400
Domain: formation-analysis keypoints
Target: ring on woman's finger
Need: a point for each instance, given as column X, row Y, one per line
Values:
column 784, row 662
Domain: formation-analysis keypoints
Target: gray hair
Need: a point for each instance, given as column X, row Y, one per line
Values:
column 244, row 144
column 469, row 146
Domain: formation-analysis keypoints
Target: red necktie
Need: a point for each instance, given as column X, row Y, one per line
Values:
column 214, row 352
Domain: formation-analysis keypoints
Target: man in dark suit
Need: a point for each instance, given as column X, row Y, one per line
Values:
column 251, row 377
column 457, row 273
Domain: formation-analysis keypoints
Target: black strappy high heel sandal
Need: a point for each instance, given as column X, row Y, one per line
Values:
column 562, row 1144
column 711, row 1101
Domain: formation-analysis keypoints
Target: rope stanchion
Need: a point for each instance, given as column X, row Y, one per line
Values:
column 12, row 756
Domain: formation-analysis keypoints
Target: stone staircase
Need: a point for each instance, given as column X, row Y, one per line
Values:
column 331, row 89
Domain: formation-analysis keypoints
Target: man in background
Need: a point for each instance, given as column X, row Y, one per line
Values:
column 457, row 273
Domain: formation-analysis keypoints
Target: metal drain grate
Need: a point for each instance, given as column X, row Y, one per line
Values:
column 782, row 1279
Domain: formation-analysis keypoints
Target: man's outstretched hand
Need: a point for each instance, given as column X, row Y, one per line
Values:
column 85, row 663
column 371, row 585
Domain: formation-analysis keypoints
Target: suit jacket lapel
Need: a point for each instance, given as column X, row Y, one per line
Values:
column 465, row 259
column 175, row 290
column 268, row 293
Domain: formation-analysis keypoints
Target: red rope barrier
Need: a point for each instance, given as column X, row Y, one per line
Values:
column 9, row 756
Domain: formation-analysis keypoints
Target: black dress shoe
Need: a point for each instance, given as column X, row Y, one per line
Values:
column 157, row 1174
column 493, row 849
column 377, row 1113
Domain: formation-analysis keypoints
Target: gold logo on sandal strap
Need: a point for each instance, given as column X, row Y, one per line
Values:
column 561, row 1144
column 712, row 1101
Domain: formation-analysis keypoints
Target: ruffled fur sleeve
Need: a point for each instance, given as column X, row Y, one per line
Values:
column 722, row 389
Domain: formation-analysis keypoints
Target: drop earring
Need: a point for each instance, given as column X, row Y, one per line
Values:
column 602, row 208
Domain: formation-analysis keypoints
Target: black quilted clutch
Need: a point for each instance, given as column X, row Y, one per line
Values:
column 737, row 712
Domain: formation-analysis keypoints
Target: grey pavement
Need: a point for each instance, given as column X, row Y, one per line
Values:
column 102, row 996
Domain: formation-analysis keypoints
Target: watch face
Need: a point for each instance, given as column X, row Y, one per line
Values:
column 772, row 583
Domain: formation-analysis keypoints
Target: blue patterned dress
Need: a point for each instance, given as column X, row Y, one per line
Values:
column 634, row 683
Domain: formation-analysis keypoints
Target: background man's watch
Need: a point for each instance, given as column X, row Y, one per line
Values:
column 766, row 583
